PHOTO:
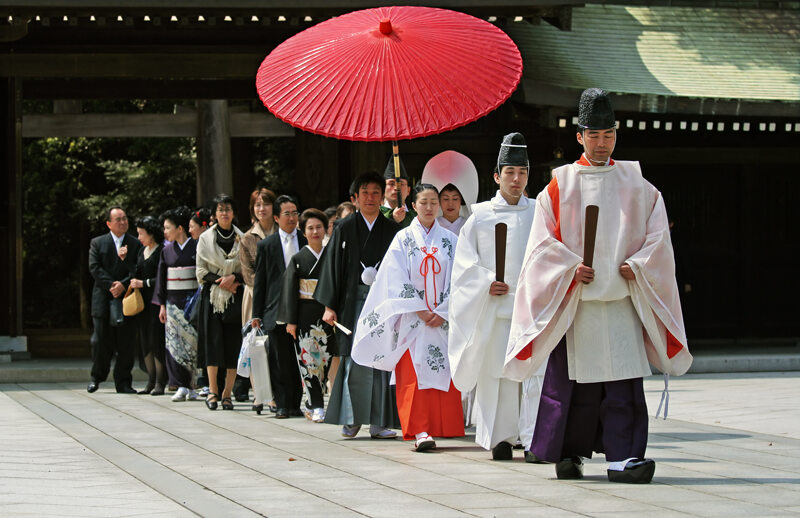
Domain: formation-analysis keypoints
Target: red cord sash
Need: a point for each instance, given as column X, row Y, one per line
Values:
column 424, row 269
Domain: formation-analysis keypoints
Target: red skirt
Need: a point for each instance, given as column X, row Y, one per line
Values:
column 434, row 411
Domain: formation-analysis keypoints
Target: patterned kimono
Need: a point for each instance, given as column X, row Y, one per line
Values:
column 175, row 285
column 414, row 276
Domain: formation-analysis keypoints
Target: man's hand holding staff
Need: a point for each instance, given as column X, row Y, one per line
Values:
column 585, row 272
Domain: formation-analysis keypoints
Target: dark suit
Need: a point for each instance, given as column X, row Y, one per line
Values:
column 106, row 267
column 270, row 265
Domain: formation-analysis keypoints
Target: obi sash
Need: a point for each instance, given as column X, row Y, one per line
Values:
column 181, row 278
column 307, row 287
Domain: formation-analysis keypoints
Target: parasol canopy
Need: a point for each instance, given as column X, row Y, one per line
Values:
column 390, row 73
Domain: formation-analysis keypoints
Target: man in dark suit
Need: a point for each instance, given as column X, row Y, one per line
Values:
column 272, row 256
column 112, row 263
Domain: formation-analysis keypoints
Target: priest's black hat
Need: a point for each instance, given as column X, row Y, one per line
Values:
column 595, row 111
column 388, row 173
column 513, row 151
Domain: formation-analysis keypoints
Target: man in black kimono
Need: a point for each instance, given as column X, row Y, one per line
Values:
column 272, row 255
column 112, row 263
column 360, row 395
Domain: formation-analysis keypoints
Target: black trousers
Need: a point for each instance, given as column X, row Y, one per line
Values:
column 107, row 340
column 286, row 382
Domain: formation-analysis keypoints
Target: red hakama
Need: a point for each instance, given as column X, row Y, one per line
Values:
column 434, row 411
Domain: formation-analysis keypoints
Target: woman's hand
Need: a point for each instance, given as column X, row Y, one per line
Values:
column 162, row 314
column 137, row 283
column 425, row 315
column 228, row 283
column 436, row 321
column 292, row 330
column 329, row 316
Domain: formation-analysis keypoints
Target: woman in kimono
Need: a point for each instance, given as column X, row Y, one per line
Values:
column 175, row 285
column 151, row 330
column 303, row 314
column 403, row 325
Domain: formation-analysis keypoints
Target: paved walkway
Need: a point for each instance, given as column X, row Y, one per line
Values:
column 731, row 447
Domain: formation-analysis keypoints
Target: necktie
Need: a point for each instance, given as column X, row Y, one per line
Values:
column 290, row 249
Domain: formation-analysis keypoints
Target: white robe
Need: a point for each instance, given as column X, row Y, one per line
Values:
column 389, row 325
column 480, row 323
column 454, row 227
column 613, row 326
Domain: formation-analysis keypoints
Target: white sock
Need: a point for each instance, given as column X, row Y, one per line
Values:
column 619, row 465
column 422, row 435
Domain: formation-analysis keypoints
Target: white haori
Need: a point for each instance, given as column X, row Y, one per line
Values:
column 181, row 278
column 479, row 322
column 413, row 276
column 612, row 325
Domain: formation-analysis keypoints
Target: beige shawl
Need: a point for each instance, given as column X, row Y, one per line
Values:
column 212, row 259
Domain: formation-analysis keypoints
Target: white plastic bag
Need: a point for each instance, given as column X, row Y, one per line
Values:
column 259, row 372
column 243, row 366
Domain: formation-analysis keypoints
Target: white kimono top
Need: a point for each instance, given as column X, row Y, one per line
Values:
column 479, row 322
column 613, row 326
column 413, row 276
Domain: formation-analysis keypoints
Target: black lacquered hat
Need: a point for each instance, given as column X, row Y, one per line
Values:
column 513, row 151
column 595, row 111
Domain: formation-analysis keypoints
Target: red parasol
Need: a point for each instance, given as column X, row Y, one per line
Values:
column 390, row 73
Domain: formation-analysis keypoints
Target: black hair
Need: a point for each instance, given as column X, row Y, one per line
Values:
column 202, row 217
column 180, row 217
column 367, row 178
column 150, row 225
column 111, row 209
column 353, row 188
column 280, row 200
column 422, row 187
column 451, row 187
column 313, row 214
column 223, row 199
column 330, row 211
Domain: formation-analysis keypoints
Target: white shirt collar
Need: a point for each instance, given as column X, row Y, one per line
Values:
column 370, row 225
column 285, row 235
column 117, row 240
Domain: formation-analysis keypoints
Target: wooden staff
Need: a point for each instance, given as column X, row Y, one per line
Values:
column 500, row 232
column 590, row 233
column 396, row 157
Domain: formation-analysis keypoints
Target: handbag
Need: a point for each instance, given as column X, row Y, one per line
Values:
column 132, row 302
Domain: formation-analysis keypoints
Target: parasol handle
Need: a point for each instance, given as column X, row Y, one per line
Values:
column 590, row 232
column 500, row 232
column 396, row 157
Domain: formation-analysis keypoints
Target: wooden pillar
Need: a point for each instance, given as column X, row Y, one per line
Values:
column 214, row 170
column 11, row 332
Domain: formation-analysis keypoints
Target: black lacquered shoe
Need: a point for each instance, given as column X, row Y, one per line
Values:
column 227, row 404
column 212, row 405
column 637, row 471
column 570, row 468
column 502, row 451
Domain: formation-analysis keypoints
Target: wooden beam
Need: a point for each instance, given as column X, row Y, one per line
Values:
column 147, row 125
column 134, row 66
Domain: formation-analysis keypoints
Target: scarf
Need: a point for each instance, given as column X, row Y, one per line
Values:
column 212, row 259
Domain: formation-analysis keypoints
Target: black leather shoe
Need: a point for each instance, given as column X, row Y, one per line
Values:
column 296, row 412
column 637, row 471
column 502, row 451
column 258, row 408
column 570, row 468
column 93, row 386
column 127, row 390
column 532, row 458
column 282, row 413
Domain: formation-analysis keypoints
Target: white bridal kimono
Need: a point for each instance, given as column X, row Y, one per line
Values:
column 613, row 326
column 413, row 276
column 479, row 324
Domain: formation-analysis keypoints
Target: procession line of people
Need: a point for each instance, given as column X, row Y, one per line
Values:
column 537, row 317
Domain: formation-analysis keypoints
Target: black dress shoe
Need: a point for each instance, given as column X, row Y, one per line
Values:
column 148, row 389
column 258, row 408
column 93, row 386
column 282, row 413
column 502, row 451
column 127, row 390
column 296, row 412
column 570, row 468
column 532, row 458
column 637, row 471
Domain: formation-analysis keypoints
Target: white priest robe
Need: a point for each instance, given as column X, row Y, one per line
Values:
column 613, row 326
column 480, row 323
column 413, row 276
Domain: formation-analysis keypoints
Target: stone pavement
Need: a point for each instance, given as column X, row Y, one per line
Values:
column 731, row 447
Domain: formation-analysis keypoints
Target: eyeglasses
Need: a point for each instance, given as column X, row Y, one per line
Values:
column 290, row 214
